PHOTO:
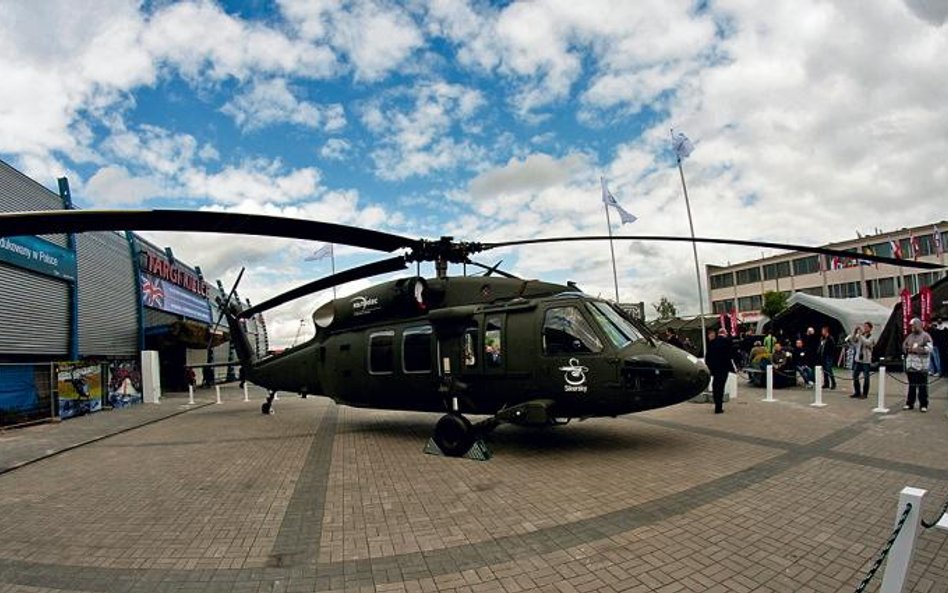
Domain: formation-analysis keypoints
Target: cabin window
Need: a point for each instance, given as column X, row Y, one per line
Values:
column 470, row 347
column 382, row 353
column 566, row 331
column 493, row 344
column 416, row 349
column 618, row 329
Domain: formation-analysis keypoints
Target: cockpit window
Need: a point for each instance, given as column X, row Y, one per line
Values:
column 566, row 331
column 619, row 330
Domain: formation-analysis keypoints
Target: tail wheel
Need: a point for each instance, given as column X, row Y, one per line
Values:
column 454, row 435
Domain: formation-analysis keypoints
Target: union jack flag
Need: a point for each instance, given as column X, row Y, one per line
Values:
column 153, row 294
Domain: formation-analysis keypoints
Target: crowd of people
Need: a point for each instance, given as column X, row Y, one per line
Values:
column 798, row 356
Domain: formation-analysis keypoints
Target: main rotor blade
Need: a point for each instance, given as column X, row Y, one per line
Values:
column 223, row 307
column 785, row 246
column 392, row 264
column 80, row 221
column 495, row 269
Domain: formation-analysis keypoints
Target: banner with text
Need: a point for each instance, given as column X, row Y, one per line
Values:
column 38, row 255
column 165, row 296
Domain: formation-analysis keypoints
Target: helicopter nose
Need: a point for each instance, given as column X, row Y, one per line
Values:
column 690, row 376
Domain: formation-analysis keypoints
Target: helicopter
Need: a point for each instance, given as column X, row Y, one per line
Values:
column 524, row 352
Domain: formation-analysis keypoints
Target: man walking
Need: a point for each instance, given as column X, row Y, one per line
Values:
column 917, row 347
column 718, row 359
column 863, row 343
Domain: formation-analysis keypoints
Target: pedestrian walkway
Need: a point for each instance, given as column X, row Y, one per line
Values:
column 25, row 445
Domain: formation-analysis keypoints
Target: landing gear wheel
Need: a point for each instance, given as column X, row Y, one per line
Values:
column 454, row 435
column 265, row 408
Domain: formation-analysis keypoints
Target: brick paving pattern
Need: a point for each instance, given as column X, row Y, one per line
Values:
column 767, row 497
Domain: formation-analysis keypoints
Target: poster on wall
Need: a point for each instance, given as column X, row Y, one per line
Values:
column 80, row 388
column 125, row 383
column 19, row 398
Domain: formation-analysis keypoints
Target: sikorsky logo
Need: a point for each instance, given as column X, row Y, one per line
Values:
column 362, row 305
column 575, row 376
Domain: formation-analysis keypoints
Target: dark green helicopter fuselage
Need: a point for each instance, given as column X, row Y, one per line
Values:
column 480, row 345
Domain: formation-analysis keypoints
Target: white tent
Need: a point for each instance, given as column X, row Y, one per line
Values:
column 848, row 312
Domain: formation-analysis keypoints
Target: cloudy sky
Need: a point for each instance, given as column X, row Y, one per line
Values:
column 486, row 121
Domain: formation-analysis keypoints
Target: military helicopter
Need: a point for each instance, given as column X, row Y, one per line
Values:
column 525, row 352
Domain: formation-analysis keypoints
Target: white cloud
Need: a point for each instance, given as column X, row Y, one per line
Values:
column 113, row 186
column 416, row 138
column 270, row 102
column 335, row 149
column 376, row 37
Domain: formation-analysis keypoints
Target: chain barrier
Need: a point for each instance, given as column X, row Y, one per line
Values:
column 941, row 513
column 885, row 550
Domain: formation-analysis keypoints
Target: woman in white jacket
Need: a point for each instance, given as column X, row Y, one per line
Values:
column 917, row 347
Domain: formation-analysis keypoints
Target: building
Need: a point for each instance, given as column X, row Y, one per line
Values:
column 95, row 301
column 741, row 286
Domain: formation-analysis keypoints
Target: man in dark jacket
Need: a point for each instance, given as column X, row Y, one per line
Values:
column 826, row 356
column 719, row 363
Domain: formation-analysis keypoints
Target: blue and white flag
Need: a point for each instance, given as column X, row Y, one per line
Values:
column 321, row 253
column 682, row 145
column 610, row 200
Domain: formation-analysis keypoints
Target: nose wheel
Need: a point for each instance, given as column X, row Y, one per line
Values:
column 454, row 434
column 267, row 406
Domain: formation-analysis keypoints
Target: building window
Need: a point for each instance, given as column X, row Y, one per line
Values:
column 722, row 280
column 416, row 349
column 723, row 306
column 886, row 288
column 926, row 245
column 883, row 249
column 750, row 303
column 845, row 290
column 566, row 331
column 382, row 353
column 813, row 290
column 748, row 275
column 780, row 269
column 806, row 265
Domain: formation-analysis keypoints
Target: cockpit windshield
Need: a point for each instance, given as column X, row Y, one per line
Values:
column 619, row 331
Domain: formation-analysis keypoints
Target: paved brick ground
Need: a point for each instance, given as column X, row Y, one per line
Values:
column 767, row 497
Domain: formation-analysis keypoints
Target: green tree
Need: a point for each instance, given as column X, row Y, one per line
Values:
column 774, row 303
column 665, row 308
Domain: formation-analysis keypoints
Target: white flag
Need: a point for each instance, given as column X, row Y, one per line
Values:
column 322, row 252
column 610, row 200
column 682, row 145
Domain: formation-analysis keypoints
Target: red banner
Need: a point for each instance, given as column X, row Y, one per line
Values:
column 925, row 299
column 906, row 298
column 721, row 319
column 734, row 322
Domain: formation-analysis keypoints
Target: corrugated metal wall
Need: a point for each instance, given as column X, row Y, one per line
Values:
column 108, row 311
column 20, row 193
column 34, row 313
column 34, row 309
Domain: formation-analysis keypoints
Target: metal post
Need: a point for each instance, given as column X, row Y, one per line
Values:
column 612, row 250
column 880, row 406
column 818, row 387
column 218, row 389
column 190, row 395
column 900, row 556
column 246, row 395
column 770, row 384
column 694, row 250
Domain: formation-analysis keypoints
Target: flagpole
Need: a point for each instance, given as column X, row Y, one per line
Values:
column 332, row 259
column 612, row 250
column 694, row 250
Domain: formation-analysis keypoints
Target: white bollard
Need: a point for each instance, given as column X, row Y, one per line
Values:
column 732, row 385
column 218, row 389
column 190, row 395
column 276, row 397
column 880, row 407
column 770, row 384
column 246, row 395
column 900, row 556
column 818, row 388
